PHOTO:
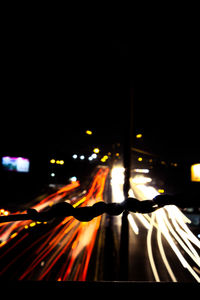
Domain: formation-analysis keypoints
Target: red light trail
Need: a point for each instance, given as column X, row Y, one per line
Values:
column 67, row 246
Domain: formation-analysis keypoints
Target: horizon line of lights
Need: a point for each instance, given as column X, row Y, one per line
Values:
column 92, row 156
column 82, row 157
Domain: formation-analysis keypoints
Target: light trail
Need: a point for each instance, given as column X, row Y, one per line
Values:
column 70, row 241
column 163, row 255
column 144, row 221
column 149, row 249
column 184, row 242
column 178, row 233
column 63, row 251
column 133, row 224
column 7, row 229
column 169, row 223
column 117, row 181
column 161, row 218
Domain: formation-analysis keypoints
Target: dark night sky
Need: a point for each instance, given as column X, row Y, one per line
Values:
column 55, row 86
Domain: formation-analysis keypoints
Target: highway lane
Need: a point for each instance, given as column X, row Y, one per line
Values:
column 172, row 249
column 58, row 250
column 161, row 244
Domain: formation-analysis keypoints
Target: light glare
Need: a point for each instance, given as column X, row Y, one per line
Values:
column 195, row 172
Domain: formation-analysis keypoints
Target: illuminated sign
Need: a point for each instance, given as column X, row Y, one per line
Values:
column 195, row 172
column 17, row 164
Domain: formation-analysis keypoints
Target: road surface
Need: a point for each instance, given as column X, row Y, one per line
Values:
column 161, row 245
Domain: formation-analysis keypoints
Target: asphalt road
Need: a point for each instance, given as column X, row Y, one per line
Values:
column 161, row 246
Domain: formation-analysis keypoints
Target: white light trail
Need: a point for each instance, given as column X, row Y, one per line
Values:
column 174, row 212
column 117, row 181
column 181, row 243
column 162, row 220
column 164, row 258
column 178, row 235
column 149, row 249
column 143, row 220
column 133, row 224
column 145, row 171
column 169, row 222
column 140, row 179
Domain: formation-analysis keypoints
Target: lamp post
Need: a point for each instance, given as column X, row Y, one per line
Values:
column 128, row 134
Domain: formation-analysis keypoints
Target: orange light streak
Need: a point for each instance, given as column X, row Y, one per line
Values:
column 69, row 238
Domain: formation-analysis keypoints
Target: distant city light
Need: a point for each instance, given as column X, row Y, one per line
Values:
column 58, row 162
column 175, row 164
column 139, row 136
column 73, row 178
column 53, row 174
column 139, row 158
column 74, row 156
column 104, row 158
column 93, row 156
column 89, row 132
column 82, row 157
column 96, row 150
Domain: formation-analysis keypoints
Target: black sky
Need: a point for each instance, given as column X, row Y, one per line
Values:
column 56, row 85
